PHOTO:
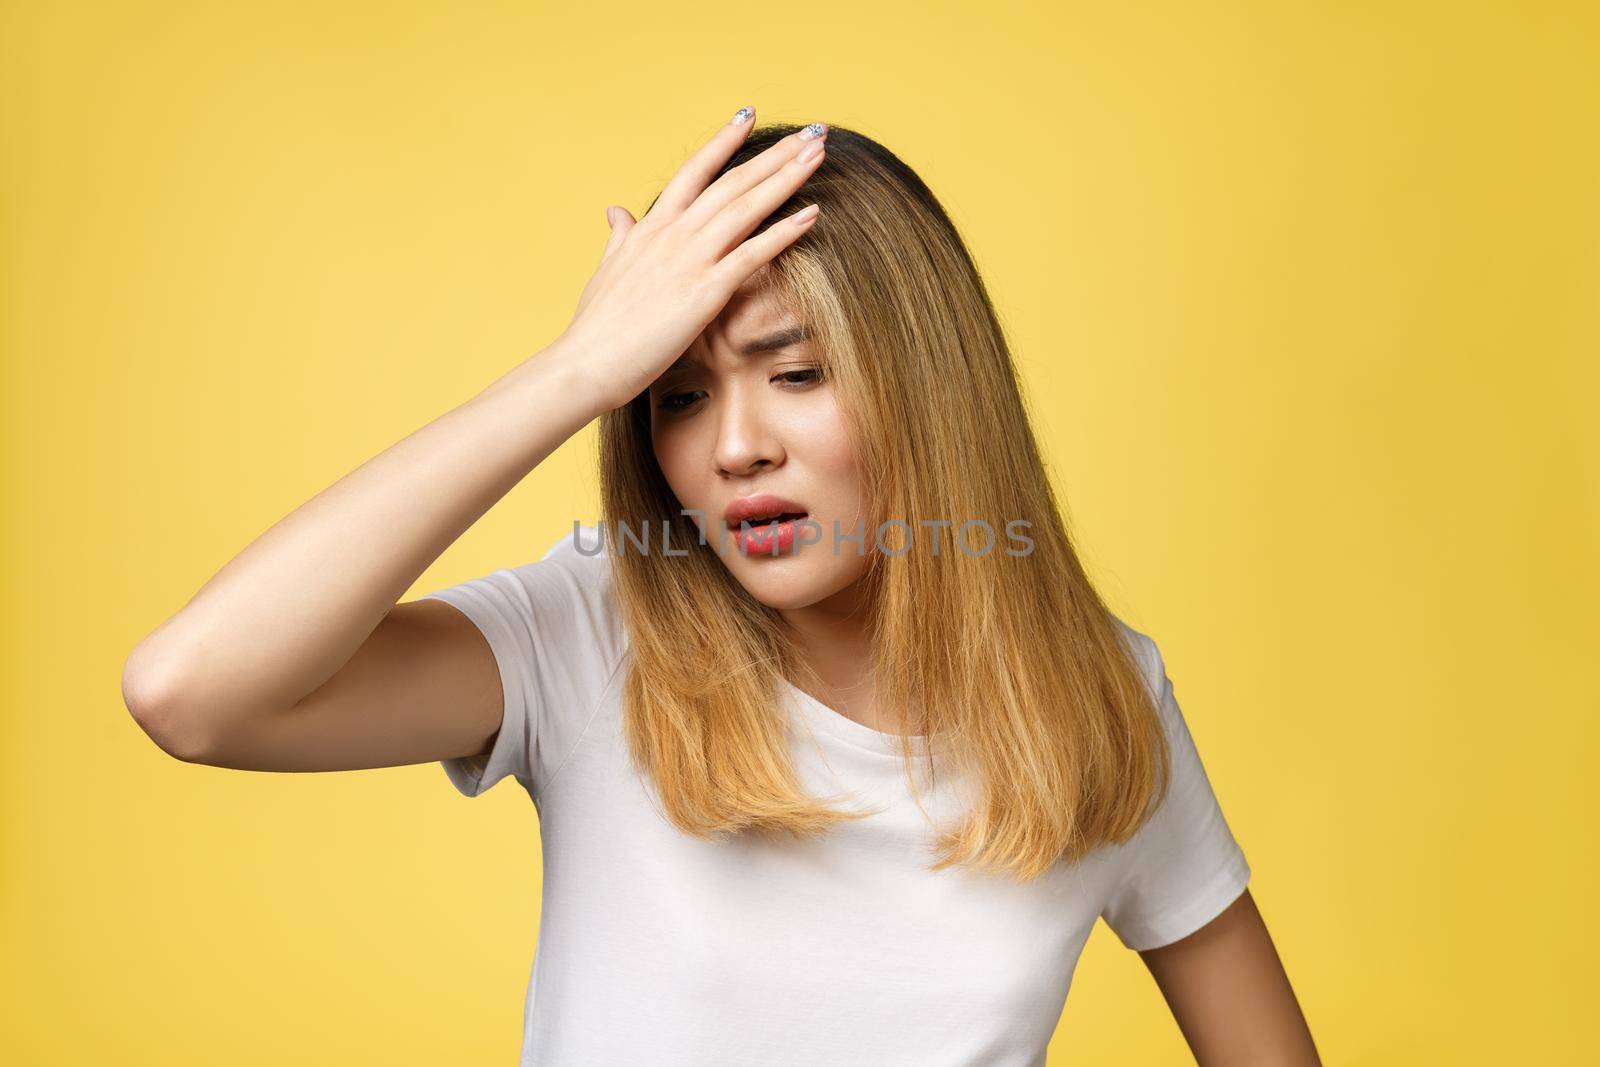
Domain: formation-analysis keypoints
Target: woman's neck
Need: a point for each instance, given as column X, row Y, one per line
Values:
column 834, row 639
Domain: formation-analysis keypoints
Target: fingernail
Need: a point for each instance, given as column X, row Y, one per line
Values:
column 808, row 153
column 742, row 116
column 813, row 131
column 805, row 214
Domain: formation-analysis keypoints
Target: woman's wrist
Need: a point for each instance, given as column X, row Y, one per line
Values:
column 560, row 370
column 577, row 367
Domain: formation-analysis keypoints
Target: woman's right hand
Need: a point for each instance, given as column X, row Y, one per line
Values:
column 252, row 673
column 662, row 279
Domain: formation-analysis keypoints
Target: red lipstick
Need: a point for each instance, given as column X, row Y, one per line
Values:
column 772, row 520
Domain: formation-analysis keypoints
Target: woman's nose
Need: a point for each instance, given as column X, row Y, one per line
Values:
column 745, row 440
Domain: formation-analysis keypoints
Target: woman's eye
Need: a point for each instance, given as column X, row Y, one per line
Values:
column 685, row 401
column 800, row 377
column 676, row 401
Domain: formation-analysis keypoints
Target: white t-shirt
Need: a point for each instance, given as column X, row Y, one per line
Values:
column 656, row 947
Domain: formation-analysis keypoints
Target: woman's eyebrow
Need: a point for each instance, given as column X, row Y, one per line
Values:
column 772, row 342
column 791, row 335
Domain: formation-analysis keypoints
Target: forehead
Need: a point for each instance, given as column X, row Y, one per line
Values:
column 755, row 311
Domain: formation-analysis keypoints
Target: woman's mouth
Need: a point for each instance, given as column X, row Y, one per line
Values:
column 771, row 535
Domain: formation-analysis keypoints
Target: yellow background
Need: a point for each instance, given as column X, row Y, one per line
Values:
column 1305, row 300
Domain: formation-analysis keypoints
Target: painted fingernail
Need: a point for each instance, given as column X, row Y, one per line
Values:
column 742, row 116
column 813, row 131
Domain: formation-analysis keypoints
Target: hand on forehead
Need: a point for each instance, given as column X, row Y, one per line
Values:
column 756, row 319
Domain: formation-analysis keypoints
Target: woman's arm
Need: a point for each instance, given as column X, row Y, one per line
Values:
column 296, row 656
column 214, row 681
column 1230, row 995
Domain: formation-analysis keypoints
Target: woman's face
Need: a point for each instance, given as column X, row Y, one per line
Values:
column 744, row 413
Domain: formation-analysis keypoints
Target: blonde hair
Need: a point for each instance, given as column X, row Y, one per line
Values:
column 1013, row 660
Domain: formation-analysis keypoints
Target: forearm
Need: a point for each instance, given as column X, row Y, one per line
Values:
column 291, row 608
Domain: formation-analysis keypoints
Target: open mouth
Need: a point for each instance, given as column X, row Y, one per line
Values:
column 769, row 535
column 787, row 516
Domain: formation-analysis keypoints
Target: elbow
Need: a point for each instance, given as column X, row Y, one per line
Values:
column 154, row 697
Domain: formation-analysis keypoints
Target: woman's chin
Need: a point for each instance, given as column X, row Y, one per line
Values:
column 791, row 583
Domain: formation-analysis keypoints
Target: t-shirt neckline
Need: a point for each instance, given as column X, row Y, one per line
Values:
column 846, row 729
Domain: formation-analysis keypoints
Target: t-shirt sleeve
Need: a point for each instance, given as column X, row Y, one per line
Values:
column 552, row 627
column 1183, row 867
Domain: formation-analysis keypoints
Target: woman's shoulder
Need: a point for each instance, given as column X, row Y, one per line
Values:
column 581, row 557
column 1146, row 653
column 563, row 596
column 583, row 551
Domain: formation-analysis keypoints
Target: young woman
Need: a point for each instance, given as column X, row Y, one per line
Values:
column 848, row 788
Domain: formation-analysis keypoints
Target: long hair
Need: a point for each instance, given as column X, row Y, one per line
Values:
column 1013, row 661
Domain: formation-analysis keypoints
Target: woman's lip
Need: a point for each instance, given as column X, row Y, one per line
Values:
column 758, row 505
column 771, row 539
